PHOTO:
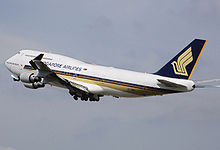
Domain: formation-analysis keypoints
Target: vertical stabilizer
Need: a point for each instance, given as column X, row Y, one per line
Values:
column 183, row 64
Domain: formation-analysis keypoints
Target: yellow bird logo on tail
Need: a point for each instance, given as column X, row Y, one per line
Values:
column 183, row 60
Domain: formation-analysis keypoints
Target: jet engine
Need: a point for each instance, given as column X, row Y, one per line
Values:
column 34, row 85
column 31, row 77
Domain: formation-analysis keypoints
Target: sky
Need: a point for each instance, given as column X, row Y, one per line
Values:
column 136, row 35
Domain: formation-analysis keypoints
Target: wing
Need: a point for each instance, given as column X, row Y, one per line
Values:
column 51, row 77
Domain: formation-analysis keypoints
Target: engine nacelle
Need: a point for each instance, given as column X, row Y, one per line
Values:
column 34, row 85
column 27, row 77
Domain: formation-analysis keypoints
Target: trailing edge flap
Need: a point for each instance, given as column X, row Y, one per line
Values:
column 51, row 76
column 171, row 84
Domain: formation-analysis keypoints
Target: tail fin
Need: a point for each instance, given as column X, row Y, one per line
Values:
column 183, row 64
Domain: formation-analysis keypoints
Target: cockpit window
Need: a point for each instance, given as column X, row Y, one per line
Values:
column 20, row 52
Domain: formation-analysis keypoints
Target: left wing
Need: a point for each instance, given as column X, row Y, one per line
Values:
column 51, row 77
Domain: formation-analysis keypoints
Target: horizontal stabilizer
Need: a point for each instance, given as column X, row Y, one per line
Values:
column 171, row 84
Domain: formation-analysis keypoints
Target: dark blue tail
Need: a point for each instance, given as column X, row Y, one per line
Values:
column 183, row 64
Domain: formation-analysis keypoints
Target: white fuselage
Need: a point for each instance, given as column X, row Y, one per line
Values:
column 98, row 79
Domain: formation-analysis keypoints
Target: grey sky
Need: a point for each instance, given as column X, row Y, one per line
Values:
column 137, row 35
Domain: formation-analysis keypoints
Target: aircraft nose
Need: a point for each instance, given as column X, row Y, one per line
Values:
column 7, row 63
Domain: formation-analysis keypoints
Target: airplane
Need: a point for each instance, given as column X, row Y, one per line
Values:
column 88, row 81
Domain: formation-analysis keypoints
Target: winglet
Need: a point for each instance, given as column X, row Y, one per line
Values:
column 39, row 57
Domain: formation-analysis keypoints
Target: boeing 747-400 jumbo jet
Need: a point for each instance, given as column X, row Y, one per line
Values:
column 90, row 82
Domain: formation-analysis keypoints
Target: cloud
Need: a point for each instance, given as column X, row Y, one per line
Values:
column 6, row 148
column 205, row 6
column 11, row 44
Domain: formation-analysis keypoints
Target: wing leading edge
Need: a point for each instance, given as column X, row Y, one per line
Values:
column 51, row 77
